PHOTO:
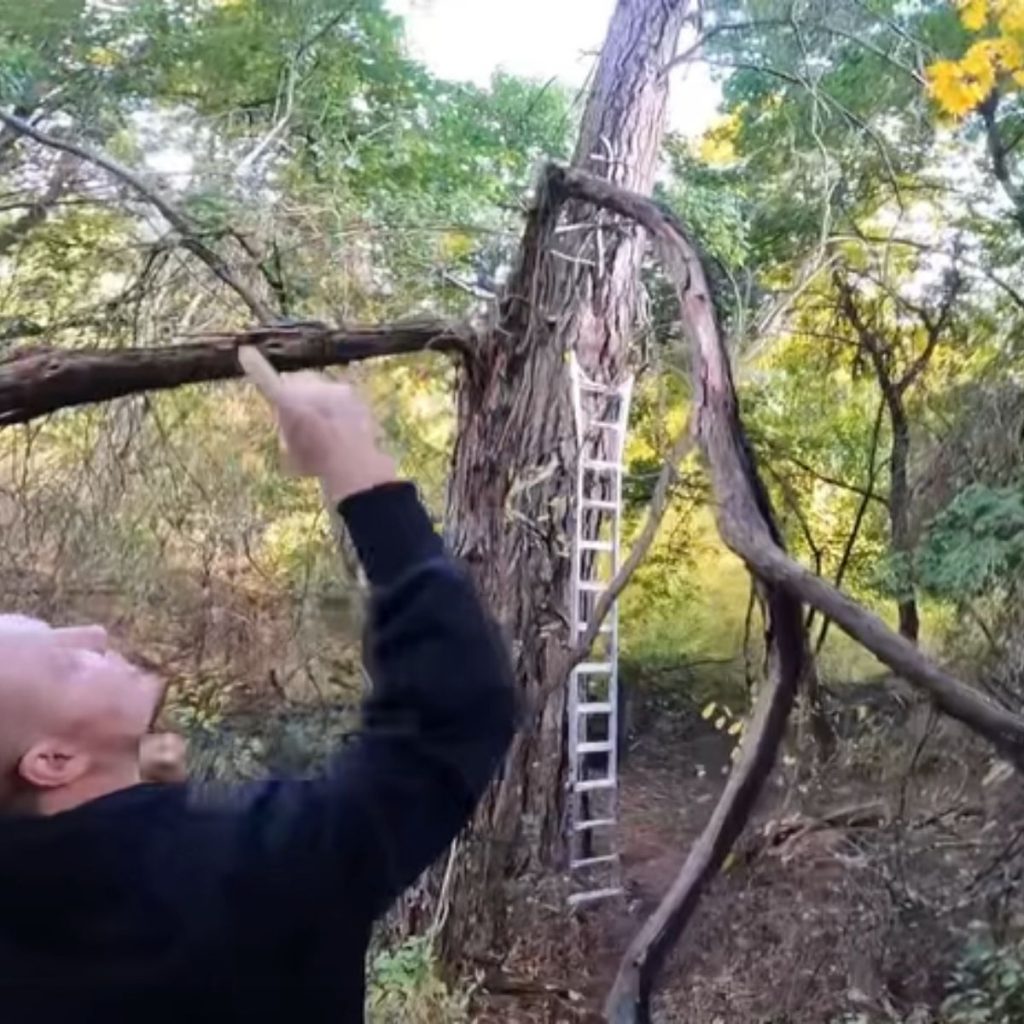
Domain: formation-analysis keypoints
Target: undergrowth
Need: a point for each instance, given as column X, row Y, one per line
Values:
column 406, row 987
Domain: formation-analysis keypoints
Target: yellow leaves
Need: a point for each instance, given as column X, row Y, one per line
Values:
column 1004, row 53
column 961, row 86
column 724, row 720
column 454, row 246
column 973, row 14
column 1010, row 16
column 718, row 145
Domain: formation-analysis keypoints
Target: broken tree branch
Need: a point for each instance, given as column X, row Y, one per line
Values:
column 190, row 238
column 42, row 383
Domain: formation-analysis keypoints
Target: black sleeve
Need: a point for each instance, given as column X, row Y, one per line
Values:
column 435, row 729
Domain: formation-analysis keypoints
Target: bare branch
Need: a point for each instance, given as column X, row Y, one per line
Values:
column 858, row 521
column 717, row 30
column 999, row 155
column 746, row 26
column 190, row 239
column 912, row 243
column 867, row 493
column 39, row 210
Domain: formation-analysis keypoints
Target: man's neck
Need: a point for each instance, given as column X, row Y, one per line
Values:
column 47, row 803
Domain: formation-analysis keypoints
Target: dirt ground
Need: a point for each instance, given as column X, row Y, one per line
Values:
column 851, row 892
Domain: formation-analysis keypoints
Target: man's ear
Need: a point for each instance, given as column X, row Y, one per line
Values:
column 50, row 764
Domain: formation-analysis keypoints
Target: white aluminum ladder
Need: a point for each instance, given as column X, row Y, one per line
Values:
column 602, row 419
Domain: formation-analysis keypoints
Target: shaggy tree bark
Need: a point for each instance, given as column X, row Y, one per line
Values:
column 577, row 289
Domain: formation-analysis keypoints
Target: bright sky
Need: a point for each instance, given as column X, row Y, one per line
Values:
column 469, row 39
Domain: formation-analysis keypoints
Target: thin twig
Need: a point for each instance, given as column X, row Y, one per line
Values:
column 179, row 222
column 638, row 552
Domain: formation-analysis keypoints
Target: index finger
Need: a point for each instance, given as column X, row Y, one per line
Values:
column 260, row 373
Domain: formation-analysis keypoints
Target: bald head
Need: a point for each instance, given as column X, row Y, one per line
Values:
column 72, row 714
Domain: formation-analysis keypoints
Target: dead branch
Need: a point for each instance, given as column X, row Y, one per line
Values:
column 53, row 379
column 858, row 522
column 190, row 238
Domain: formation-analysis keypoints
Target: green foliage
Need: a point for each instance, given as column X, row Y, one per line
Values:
column 405, row 987
column 988, row 984
column 976, row 545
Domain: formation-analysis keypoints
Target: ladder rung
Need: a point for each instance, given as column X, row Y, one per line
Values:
column 610, row 506
column 594, row 668
column 592, row 586
column 604, row 747
column 582, row 898
column 594, row 862
column 594, row 708
column 589, row 826
column 589, row 785
column 597, row 545
column 602, row 465
column 606, row 424
column 606, row 627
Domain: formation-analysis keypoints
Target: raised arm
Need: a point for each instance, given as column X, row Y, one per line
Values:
column 441, row 714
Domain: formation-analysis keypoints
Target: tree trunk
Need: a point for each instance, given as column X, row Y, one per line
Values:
column 899, row 517
column 577, row 289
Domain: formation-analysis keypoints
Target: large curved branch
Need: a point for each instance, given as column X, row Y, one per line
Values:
column 743, row 507
column 747, row 526
column 190, row 238
column 37, row 384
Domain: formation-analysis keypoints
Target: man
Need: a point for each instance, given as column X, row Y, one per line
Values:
column 127, row 901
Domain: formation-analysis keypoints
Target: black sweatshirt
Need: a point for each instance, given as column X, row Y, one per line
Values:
column 164, row 903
